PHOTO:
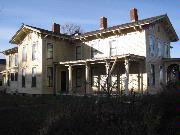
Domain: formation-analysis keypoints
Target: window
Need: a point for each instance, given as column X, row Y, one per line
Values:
column 152, row 74
column 49, row 50
column 16, row 59
column 33, row 77
column 24, row 55
column 12, row 76
column 10, row 59
column 16, row 76
column 94, row 52
column 50, row 76
column 23, row 78
column 113, row 51
column 159, row 48
column 34, row 50
column 78, row 52
column 78, row 77
column 8, row 80
column 151, row 45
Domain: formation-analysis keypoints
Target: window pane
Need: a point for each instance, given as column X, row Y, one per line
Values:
column 16, row 60
column 24, row 55
column 16, row 76
column 50, row 76
column 34, row 50
column 78, row 52
column 12, row 76
column 49, row 50
column 113, row 51
column 78, row 77
column 33, row 77
column 23, row 78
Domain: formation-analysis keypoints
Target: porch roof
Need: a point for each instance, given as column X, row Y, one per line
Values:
column 131, row 57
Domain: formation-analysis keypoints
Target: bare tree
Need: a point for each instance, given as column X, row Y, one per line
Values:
column 71, row 29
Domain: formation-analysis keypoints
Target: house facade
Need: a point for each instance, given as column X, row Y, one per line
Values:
column 120, row 59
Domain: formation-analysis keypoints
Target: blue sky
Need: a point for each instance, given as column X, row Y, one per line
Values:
column 86, row 13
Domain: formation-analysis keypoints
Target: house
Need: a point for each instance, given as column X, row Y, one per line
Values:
column 134, row 56
column 2, row 67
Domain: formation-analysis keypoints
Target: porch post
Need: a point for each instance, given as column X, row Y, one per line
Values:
column 108, row 76
column 118, row 83
column 87, row 78
column 139, row 77
column 70, row 78
column 127, row 76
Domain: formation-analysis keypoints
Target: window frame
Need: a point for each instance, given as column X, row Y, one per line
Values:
column 50, row 51
column 50, row 77
column 34, row 78
column 152, row 46
column 78, row 55
column 112, row 48
column 34, row 50
column 24, row 54
column 23, row 78
column 78, row 77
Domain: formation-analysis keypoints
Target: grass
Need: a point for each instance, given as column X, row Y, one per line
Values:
column 70, row 115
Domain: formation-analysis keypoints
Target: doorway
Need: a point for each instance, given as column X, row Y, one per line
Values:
column 63, row 81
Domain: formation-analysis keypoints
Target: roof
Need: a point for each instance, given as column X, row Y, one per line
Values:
column 11, row 51
column 138, row 23
column 25, row 29
column 2, row 61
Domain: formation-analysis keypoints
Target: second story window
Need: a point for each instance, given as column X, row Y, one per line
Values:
column 16, row 59
column 151, row 45
column 34, row 50
column 24, row 54
column 113, row 50
column 94, row 51
column 33, row 77
column 78, row 52
column 159, row 48
column 49, row 50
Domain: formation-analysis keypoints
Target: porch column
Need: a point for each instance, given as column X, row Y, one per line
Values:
column 108, row 76
column 139, row 77
column 127, row 76
column 87, row 78
column 70, row 78
column 118, row 83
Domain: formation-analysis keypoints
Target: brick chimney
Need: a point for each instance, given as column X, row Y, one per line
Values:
column 133, row 15
column 56, row 28
column 103, row 23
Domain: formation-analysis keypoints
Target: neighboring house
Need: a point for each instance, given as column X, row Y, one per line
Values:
column 2, row 67
column 133, row 56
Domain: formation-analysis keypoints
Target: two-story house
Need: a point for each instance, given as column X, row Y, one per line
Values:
column 134, row 56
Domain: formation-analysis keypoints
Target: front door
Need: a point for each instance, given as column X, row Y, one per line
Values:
column 63, row 81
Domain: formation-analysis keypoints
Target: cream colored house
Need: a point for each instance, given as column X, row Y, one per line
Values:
column 129, row 57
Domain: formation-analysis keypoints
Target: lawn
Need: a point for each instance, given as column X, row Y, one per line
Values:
column 72, row 115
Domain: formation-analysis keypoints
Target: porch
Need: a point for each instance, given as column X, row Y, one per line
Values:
column 119, row 74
